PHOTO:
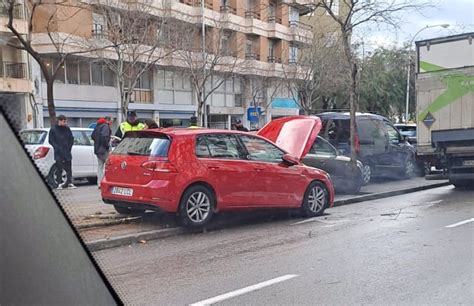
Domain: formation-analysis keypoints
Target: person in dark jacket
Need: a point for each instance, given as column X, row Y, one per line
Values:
column 101, row 136
column 60, row 137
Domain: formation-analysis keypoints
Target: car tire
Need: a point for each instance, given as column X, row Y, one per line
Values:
column 196, row 206
column 366, row 173
column 128, row 211
column 316, row 200
column 408, row 170
column 53, row 177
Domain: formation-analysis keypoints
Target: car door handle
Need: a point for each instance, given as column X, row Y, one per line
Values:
column 213, row 167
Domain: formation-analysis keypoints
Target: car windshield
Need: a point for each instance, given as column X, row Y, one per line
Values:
column 33, row 137
column 144, row 145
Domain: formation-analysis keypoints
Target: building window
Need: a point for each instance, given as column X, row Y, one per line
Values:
column 294, row 17
column 293, row 54
column 109, row 76
column 334, row 8
column 145, row 80
column 85, row 73
column 97, row 78
column 72, row 71
column 61, row 71
column 98, row 24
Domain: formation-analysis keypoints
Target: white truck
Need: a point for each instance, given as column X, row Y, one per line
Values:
column 445, row 106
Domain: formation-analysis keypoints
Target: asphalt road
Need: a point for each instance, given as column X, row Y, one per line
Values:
column 390, row 251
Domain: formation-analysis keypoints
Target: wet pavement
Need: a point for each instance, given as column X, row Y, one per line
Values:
column 410, row 249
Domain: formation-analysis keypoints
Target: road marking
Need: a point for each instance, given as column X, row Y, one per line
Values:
column 248, row 289
column 310, row 220
column 460, row 223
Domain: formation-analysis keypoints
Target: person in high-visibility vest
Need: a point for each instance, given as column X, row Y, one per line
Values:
column 131, row 124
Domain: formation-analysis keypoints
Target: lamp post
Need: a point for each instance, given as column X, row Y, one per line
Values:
column 407, row 102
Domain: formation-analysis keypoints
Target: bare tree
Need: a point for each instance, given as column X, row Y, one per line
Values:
column 352, row 14
column 210, row 58
column 263, row 89
column 140, row 36
column 43, row 19
column 320, row 78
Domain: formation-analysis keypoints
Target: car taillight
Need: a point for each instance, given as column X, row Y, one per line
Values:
column 41, row 152
column 159, row 166
column 357, row 143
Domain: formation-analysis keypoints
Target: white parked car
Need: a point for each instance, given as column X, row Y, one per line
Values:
column 84, row 162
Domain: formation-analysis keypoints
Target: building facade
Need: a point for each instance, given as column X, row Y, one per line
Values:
column 267, row 36
column 16, row 87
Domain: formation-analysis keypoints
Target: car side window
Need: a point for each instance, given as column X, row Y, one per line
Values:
column 379, row 131
column 322, row 148
column 88, row 135
column 393, row 135
column 79, row 139
column 261, row 150
column 218, row 146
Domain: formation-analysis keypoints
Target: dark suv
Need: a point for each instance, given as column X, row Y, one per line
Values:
column 379, row 145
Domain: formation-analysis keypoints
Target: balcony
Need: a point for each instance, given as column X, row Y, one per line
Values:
column 252, row 14
column 142, row 96
column 274, row 59
column 301, row 32
column 274, row 19
column 13, row 70
column 252, row 56
column 18, row 12
column 227, row 9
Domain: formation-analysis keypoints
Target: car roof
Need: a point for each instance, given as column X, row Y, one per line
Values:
column 47, row 129
column 194, row 131
column 346, row 115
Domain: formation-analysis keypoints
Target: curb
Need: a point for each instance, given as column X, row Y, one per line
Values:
column 381, row 195
column 129, row 239
column 113, row 242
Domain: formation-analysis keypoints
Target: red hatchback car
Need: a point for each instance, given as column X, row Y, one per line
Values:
column 198, row 172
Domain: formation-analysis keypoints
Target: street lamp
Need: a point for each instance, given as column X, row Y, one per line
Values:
column 409, row 64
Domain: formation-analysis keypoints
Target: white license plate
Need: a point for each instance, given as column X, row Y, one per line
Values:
column 122, row 191
column 468, row 163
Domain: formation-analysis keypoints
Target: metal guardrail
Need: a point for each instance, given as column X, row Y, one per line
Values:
column 13, row 70
column 274, row 18
column 228, row 9
column 274, row 59
column 252, row 56
column 18, row 11
column 252, row 14
column 299, row 25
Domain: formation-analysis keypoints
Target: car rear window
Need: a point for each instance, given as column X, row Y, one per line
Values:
column 33, row 137
column 144, row 145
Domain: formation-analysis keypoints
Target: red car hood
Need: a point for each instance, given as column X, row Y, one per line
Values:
column 295, row 134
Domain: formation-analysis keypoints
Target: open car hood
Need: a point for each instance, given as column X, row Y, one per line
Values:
column 294, row 134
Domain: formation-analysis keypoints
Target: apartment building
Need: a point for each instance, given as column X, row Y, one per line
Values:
column 264, row 34
column 15, row 84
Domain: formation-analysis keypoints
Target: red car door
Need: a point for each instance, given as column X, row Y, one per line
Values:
column 226, row 170
column 274, row 183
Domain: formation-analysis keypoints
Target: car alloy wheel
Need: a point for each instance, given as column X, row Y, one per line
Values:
column 366, row 174
column 198, row 207
column 316, row 199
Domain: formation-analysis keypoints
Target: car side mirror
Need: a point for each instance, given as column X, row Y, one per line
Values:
column 290, row 159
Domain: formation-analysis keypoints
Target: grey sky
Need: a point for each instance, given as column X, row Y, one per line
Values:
column 458, row 13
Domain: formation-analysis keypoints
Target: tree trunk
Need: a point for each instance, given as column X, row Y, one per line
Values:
column 50, row 98
column 353, row 93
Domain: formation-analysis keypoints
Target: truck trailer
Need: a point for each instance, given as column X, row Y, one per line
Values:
column 445, row 106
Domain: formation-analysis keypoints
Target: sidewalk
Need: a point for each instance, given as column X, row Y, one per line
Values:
column 86, row 209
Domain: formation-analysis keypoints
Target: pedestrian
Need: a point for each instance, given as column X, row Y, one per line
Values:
column 131, row 124
column 240, row 127
column 150, row 124
column 193, row 122
column 101, row 136
column 60, row 137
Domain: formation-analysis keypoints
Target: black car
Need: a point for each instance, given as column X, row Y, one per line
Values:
column 346, row 176
column 379, row 145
